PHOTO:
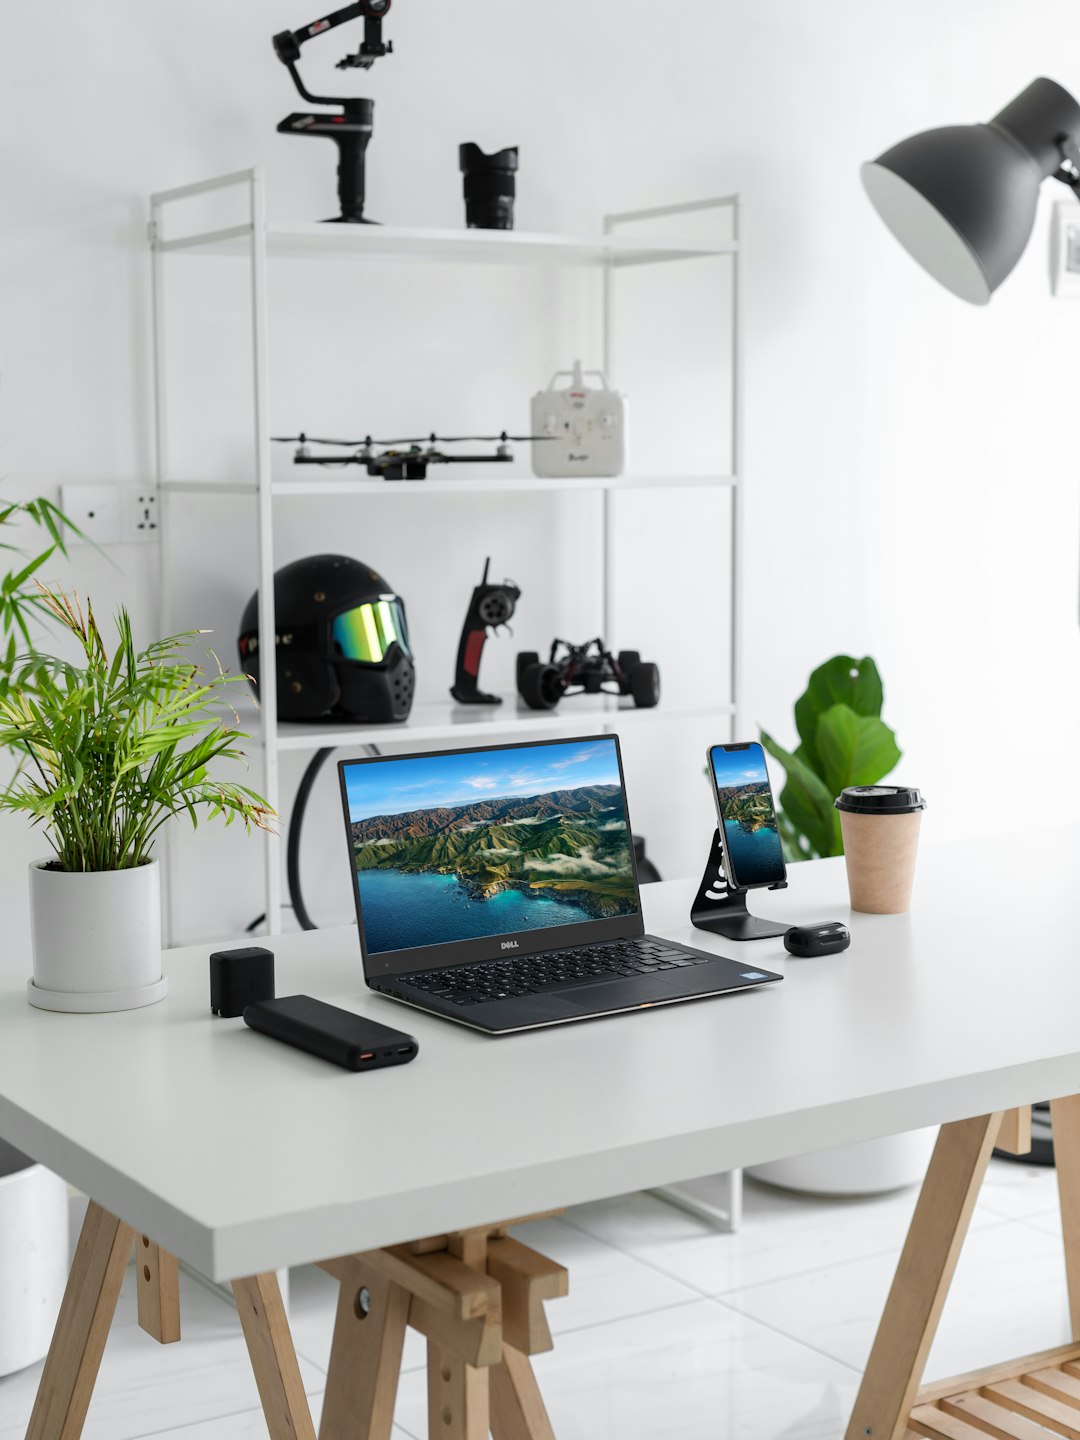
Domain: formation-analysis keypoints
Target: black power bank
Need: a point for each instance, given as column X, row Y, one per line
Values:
column 333, row 1034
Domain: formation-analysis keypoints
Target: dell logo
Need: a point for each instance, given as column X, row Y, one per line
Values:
column 509, row 945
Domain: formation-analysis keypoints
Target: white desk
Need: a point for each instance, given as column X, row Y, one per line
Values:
column 242, row 1156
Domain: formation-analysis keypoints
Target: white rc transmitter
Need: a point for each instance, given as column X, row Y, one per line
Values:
column 586, row 426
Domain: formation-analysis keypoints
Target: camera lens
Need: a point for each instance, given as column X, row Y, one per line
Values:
column 490, row 187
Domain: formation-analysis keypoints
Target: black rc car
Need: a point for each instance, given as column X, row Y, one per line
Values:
column 587, row 669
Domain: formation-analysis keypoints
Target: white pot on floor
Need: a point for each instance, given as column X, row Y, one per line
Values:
column 869, row 1168
column 96, row 938
column 33, row 1258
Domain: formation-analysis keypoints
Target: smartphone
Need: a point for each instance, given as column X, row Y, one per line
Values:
column 753, row 854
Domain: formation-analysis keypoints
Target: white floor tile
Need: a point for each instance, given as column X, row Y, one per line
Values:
column 248, row 1425
column 605, row 1283
column 1008, row 1298
column 1019, row 1192
column 144, row 1387
column 698, row 1372
column 783, row 1233
column 1049, row 1223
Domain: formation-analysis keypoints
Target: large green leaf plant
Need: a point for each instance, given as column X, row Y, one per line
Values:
column 842, row 741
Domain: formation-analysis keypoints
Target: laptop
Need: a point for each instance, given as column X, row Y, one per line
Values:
column 497, row 887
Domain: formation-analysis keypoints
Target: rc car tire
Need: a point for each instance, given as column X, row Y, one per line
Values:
column 645, row 685
column 628, row 660
column 524, row 660
column 541, row 687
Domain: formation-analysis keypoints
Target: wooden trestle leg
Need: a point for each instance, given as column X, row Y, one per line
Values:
column 365, row 1359
column 273, row 1359
column 93, row 1288
column 78, row 1342
column 476, row 1295
column 158, row 1283
column 1065, row 1126
column 1016, row 1400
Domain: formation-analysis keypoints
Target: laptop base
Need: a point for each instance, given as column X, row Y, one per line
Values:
column 708, row 976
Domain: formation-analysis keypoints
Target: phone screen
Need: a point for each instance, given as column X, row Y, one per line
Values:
column 752, row 848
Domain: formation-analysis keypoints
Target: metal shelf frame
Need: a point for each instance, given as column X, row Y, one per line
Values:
column 257, row 242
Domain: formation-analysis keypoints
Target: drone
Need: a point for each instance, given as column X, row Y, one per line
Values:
column 409, row 463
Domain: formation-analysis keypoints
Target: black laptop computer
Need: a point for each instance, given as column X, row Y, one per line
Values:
column 497, row 887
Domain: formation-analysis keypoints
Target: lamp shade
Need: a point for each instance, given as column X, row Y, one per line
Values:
column 961, row 200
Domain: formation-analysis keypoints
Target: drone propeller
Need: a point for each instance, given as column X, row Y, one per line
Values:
column 431, row 439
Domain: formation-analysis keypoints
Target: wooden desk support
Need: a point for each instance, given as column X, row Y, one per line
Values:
column 1033, row 1398
column 476, row 1295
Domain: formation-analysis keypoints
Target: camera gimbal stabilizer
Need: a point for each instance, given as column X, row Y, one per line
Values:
column 350, row 130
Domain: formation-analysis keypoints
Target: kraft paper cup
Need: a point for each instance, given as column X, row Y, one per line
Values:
column 880, row 826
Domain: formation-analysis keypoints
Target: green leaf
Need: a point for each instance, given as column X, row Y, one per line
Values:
column 111, row 749
column 14, row 583
column 806, row 800
column 854, row 749
column 840, row 681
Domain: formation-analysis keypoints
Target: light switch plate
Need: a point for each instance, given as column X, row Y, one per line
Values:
column 95, row 509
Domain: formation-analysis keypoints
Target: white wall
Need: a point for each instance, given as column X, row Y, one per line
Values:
column 911, row 462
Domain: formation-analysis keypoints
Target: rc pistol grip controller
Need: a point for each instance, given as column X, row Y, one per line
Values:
column 490, row 607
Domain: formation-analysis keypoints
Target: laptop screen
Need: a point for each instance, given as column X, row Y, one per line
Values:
column 480, row 844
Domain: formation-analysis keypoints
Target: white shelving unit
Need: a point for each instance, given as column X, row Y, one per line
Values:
column 262, row 242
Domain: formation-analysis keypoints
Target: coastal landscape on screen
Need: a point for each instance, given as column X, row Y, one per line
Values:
column 453, row 847
column 750, row 825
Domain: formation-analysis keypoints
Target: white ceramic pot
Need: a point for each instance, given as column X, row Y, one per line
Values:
column 869, row 1168
column 96, row 938
column 33, row 1258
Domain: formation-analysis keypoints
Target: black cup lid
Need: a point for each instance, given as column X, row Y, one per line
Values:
column 880, row 800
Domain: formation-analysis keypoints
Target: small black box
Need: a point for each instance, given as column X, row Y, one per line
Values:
column 239, row 978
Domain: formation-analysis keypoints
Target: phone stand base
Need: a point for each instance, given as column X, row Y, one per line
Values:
column 721, row 909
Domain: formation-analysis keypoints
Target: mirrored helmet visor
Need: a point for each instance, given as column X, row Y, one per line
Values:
column 365, row 633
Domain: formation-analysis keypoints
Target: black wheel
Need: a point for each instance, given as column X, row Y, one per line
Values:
column 627, row 661
column 541, row 687
column 524, row 660
column 645, row 685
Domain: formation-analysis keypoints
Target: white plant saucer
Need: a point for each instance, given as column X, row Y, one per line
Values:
column 95, row 1002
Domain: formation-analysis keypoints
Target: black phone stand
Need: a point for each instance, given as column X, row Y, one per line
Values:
column 721, row 908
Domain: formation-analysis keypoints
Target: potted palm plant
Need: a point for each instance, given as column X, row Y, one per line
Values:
column 111, row 748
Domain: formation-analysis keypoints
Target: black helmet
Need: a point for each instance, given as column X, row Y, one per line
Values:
column 342, row 643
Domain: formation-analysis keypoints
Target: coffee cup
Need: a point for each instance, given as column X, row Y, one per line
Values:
column 880, row 826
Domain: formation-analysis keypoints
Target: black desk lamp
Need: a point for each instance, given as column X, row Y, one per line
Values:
column 961, row 200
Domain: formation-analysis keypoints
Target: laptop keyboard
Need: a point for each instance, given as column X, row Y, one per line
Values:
column 550, row 970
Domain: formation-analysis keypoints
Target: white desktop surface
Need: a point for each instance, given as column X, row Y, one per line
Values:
column 242, row 1155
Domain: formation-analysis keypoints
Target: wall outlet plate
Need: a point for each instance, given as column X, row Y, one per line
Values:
column 1065, row 250
column 140, row 513
column 111, row 514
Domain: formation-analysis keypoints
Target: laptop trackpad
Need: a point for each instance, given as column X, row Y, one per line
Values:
column 615, row 994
